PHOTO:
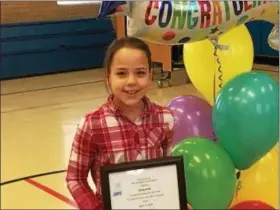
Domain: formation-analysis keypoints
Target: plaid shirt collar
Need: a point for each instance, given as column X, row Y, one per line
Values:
column 115, row 109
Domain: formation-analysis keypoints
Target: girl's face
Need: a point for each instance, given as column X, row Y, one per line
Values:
column 129, row 77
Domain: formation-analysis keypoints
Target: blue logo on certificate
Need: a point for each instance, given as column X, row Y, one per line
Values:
column 118, row 190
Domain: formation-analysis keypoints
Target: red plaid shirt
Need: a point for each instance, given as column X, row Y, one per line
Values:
column 105, row 136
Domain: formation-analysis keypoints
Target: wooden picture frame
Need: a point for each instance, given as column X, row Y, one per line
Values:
column 126, row 172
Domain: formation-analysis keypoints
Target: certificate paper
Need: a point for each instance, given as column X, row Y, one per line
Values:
column 148, row 188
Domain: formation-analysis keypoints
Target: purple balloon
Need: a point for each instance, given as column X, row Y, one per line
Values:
column 193, row 118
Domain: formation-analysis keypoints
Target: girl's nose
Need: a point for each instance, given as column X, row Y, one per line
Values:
column 131, row 80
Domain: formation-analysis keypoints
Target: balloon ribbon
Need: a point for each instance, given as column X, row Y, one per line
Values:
column 220, row 77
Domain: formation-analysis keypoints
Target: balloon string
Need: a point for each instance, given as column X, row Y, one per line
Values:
column 238, row 174
column 220, row 77
column 214, row 78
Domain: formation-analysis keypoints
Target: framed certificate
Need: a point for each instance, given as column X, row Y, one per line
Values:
column 147, row 184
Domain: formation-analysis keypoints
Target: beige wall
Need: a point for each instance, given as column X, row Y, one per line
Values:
column 33, row 11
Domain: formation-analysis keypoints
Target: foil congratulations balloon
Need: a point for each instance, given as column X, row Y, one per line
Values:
column 180, row 22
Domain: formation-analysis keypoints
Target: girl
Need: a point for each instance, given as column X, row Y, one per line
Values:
column 128, row 127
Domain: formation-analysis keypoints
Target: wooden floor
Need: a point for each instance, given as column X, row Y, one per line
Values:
column 39, row 116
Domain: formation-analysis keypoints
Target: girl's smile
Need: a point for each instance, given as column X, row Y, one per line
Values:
column 131, row 92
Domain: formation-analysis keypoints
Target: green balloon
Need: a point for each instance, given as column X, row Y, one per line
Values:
column 209, row 173
column 245, row 117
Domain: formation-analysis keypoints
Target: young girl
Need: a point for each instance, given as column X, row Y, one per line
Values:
column 128, row 127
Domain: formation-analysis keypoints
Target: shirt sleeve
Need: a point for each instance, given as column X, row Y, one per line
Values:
column 167, row 143
column 81, row 159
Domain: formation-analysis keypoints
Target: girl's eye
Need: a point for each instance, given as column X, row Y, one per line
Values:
column 120, row 73
column 141, row 73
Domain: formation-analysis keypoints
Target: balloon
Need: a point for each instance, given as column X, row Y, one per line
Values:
column 261, row 181
column 277, row 147
column 209, row 173
column 193, row 117
column 202, row 66
column 273, row 38
column 245, row 117
column 179, row 22
column 254, row 205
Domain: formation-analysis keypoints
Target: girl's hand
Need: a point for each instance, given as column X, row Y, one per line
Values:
column 190, row 207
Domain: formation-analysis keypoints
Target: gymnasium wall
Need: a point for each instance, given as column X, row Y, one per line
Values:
column 37, row 11
column 40, row 37
column 43, row 37
column 260, row 31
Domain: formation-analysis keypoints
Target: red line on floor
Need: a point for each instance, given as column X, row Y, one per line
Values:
column 51, row 192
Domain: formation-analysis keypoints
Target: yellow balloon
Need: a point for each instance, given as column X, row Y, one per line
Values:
column 202, row 67
column 277, row 147
column 260, row 182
